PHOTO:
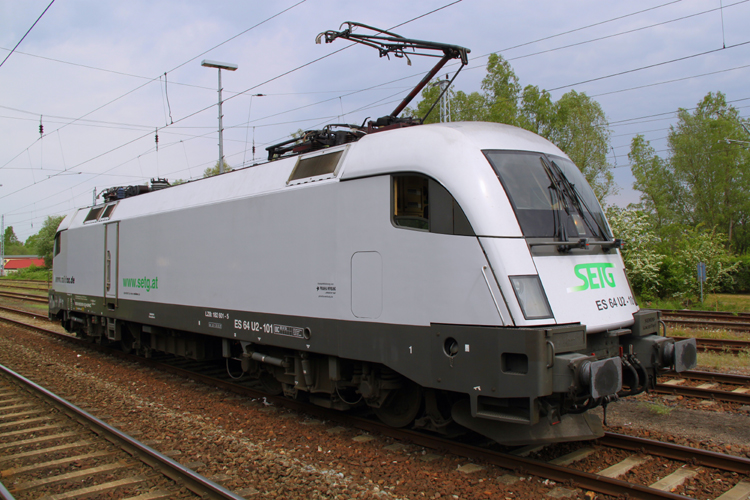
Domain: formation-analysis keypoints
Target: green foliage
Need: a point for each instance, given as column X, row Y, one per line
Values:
column 742, row 276
column 579, row 127
column 45, row 239
column 502, row 91
column 656, row 269
column 659, row 189
column 642, row 260
column 697, row 246
column 31, row 273
column 211, row 171
column 11, row 244
column 706, row 178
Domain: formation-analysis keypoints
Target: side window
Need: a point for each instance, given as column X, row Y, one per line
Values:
column 410, row 202
column 424, row 204
column 57, row 243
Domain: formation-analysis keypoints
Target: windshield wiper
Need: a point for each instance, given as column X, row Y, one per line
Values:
column 557, row 199
column 580, row 204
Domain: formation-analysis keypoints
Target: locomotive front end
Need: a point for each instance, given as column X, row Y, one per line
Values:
column 579, row 339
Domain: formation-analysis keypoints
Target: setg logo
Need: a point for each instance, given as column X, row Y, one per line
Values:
column 593, row 276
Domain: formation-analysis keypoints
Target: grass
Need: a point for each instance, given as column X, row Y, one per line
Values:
column 717, row 334
column 657, row 408
column 712, row 302
column 719, row 362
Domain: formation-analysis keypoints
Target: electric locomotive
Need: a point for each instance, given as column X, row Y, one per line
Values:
column 446, row 275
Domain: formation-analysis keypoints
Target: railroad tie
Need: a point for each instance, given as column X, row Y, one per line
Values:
column 572, row 457
column 674, row 381
column 622, row 468
column 741, row 491
column 675, row 479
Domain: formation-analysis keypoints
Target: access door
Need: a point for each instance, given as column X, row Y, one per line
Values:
column 111, row 268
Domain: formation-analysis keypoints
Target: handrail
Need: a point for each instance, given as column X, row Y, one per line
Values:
column 497, row 306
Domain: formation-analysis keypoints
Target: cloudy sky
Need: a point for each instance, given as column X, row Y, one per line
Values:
column 94, row 72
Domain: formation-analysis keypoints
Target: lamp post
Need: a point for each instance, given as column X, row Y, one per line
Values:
column 230, row 67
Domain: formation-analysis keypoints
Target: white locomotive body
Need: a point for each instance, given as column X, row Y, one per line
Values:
column 449, row 273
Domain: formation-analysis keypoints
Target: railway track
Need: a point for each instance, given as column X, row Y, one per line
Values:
column 22, row 312
column 25, row 297
column 687, row 464
column 50, row 448
column 721, row 345
column 723, row 387
column 739, row 322
column 10, row 284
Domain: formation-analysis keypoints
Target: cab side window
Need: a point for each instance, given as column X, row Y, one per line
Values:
column 57, row 242
column 424, row 204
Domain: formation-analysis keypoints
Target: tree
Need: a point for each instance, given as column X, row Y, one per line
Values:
column 713, row 172
column 45, row 239
column 660, row 192
column 537, row 111
column 579, row 128
column 501, row 91
column 705, row 179
column 11, row 244
column 211, row 171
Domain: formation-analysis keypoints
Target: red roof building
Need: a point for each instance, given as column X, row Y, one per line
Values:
column 15, row 264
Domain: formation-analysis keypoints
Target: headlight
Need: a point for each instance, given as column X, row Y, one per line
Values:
column 531, row 297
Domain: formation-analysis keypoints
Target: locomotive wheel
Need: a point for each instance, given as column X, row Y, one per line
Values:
column 400, row 408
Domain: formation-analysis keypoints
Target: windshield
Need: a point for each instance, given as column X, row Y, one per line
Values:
column 550, row 196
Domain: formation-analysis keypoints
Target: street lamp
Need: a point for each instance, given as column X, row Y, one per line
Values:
column 230, row 67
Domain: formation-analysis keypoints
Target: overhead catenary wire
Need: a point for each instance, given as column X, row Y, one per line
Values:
column 649, row 66
column 173, row 69
column 337, row 96
column 209, row 107
column 26, row 34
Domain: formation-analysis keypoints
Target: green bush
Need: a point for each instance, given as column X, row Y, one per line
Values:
column 662, row 267
column 741, row 281
column 31, row 273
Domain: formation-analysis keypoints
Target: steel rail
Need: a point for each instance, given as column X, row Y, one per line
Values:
column 6, row 285
column 725, row 325
column 720, row 345
column 23, row 296
column 739, row 316
column 4, row 493
column 170, row 468
column 43, row 330
column 24, row 313
column 721, row 378
column 37, row 282
column 673, row 451
column 695, row 392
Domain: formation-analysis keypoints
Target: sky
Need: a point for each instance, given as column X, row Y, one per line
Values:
column 105, row 78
